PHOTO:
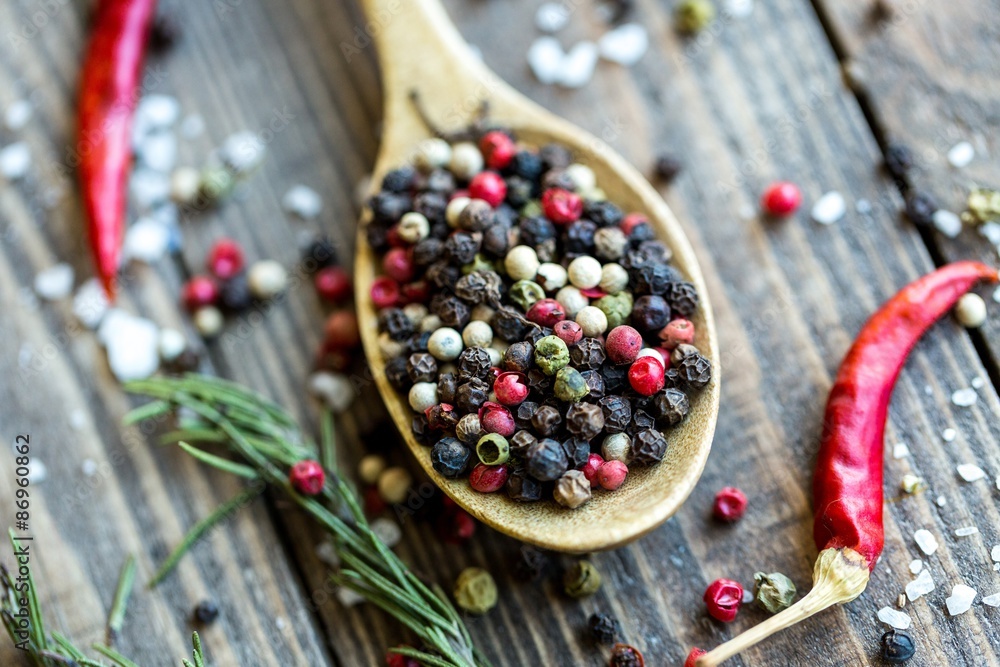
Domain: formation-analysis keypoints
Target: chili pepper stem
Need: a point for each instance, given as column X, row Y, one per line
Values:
column 839, row 576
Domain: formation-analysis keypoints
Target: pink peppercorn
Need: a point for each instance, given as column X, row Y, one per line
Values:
column 384, row 292
column 333, row 284
column 561, row 206
column 225, row 259
column 393, row 238
column 612, row 474
column 631, row 221
column 340, row 332
column 569, row 331
column 398, row 264
column 511, row 388
column 307, row 477
column 198, row 292
column 593, row 292
column 546, row 312
column 623, row 344
column 488, row 186
column 781, row 198
column 458, row 193
column 418, row 291
column 730, row 504
column 456, row 526
column 591, row 467
column 724, row 597
column 693, row 656
column 497, row 148
column 495, row 418
column 487, row 479
column 677, row 332
column 646, row 375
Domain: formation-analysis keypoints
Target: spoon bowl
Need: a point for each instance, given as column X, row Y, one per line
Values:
column 420, row 50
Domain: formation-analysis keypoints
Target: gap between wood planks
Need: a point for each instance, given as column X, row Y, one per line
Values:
column 883, row 140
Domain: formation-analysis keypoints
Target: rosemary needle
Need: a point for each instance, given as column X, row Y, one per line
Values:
column 117, row 615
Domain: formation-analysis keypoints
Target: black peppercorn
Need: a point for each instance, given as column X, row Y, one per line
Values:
column 446, row 386
column 519, row 357
column 398, row 180
column 523, row 414
column 461, row 247
column 920, row 209
column 683, row 298
column 164, row 34
column 558, row 178
column 185, row 362
column 476, row 216
column 658, row 252
column 522, row 440
column 595, row 382
column 587, row 354
column 388, row 207
column 650, row 313
column 442, row 417
column 603, row 628
column 546, row 420
column 453, row 312
column 440, row 230
column 319, row 253
column 508, row 325
column 395, row 322
column 206, row 611
column 431, row 205
column 898, row 162
column 418, row 342
column 579, row 237
column 615, row 377
column 523, row 488
column 473, row 362
column 617, row 413
column 234, row 294
column 533, row 231
column 897, row 647
column 470, row 396
column 535, row 333
column 442, row 274
column 648, row 446
column 584, row 420
column 439, row 180
column 519, row 191
column 422, row 431
column 667, row 167
column 450, row 457
column 526, row 164
column 577, row 452
column 396, row 373
column 649, row 277
column 641, row 420
column 377, row 236
column 670, row 406
column 640, row 233
column 546, row 460
column 555, row 156
column 428, row 251
column 695, row 370
column 421, row 367
column 496, row 240
column 534, row 563
column 602, row 213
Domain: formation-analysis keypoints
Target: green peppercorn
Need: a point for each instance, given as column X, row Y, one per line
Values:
column 582, row 579
column 525, row 293
column 532, row 209
column 216, row 183
column 551, row 354
column 774, row 591
column 479, row 263
column 616, row 307
column 982, row 206
column 475, row 591
column 570, row 385
column 493, row 449
column 693, row 16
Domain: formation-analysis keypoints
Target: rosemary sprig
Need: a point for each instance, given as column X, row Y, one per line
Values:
column 265, row 438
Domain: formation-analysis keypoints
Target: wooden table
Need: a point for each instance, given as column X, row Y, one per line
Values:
column 752, row 100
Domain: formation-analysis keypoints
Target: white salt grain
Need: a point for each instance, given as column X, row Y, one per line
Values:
column 996, row 295
column 941, row 501
column 149, row 188
column 900, row 450
column 303, row 202
column 157, row 112
column 894, row 618
column 926, row 541
column 132, row 345
column 327, row 553
column 624, row 45
column 37, row 471
column 387, row 531
column 89, row 467
column 280, row 623
column 947, row 223
column 90, row 303
column 15, row 160
column 960, row 600
column 949, row 434
column 158, row 151
column 961, row 154
column 146, row 240
column 577, row 67
column 991, row 231
column 334, row 389
column 243, row 151
column 992, row 600
column 739, row 8
column 551, row 17
column 970, row 472
column 863, row 206
column 17, row 114
column 545, row 57
column 54, row 282
column 964, row 398
column 192, row 126
column 348, row 597
column 965, row 531
column 977, row 382
column 829, row 208
column 916, row 565
column 928, row 390
column 77, row 419
column 995, row 553
column 171, row 344
column 922, row 585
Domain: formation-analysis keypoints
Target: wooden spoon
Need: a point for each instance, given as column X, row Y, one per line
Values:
column 420, row 50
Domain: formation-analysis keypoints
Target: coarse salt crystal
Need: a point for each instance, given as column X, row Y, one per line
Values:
column 916, row 565
column 991, row 231
column 149, row 188
column 977, row 382
column 326, row 552
column 158, row 151
column 577, row 67
column 929, row 390
column 280, row 623
column 54, row 282
column 545, row 57
column 17, row 114
column 947, row 223
column 37, row 471
column 739, row 8
column 77, row 419
column 900, row 450
column 302, row 201
column 132, row 344
column 965, row 531
column 158, row 111
column 964, row 398
column 894, row 618
column 863, row 206
column 90, row 303
column 334, row 389
column 829, row 208
column 147, row 240
column 926, row 541
column 996, row 295
column 624, row 45
column 995, row 553
column 551, row 16
column 243, row 151
column 748, row 595
column 922, row 585
column 15, row 160
column 970, row 472
column 949, row 434
column 961, row 154
column 960, row 600
column 941, row 501
column 348, row 597
column 992, row 600
column 89, row 467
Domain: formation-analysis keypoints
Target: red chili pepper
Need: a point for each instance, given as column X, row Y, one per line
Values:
column 847, row 486
column 112, row 69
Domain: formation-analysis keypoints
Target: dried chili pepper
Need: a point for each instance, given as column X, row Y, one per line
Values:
column 847, row 486
column 108, row 94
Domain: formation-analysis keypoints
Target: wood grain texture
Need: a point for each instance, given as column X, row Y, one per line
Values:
column 745, row 104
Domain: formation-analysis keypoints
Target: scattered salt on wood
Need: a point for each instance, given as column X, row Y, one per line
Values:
column 545, row 57
column 964, row 398
column 920, row 586
column 739, row 8
column 157, row 111
column 17, row 114
column 941, row 501
column 348, row 597
column 970, row 472
column 89, row 467
column 829, row 208
column 577, row 67
column 302, row 201
column 900, row 450
column 928, row 390
column 149, row 188
column 748, row 595
column 916, row 565
column 863, row 206
column 132, row 344
column 995, row 553
column 90, row 303
column 996, row 295
column 992, row 600
column 960, row 600
column 77, row 419
column 54, row 282
column 961, row 154
column 947, row 223
column 965, row 531
column 551, row 17
column 926, row 541
column 894, row 618
column 387, row 531
column 977, row 382
column 243, row 151
column 15, row 160
column 158, row 151
column 146, row 240
column 326, row 553
column 949, row 434
column 624, row 45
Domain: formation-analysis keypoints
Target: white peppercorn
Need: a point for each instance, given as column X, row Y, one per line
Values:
column 445, row 344
column 971, row 311
column 551, row 276
column 415, row 312
column 572, row 300
column 477, row 334
column 617, row 447
column 614, row 278
column 521, row 263
column 430, row 323
column 388, row 347
column 469, row 429
column 482, row 313
column 423, row 395
column 185, row 183
column 431, row 154
column 454, row 210
column 592, row 320
column 610, row 243
column 393, row 484
column 466, row 160
column 267, row 278
column 495, row 358
column 572, row 489
column 208, row 321
column 413, row 227
column 582, row 176
column 584, row 272
column 370, row 467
